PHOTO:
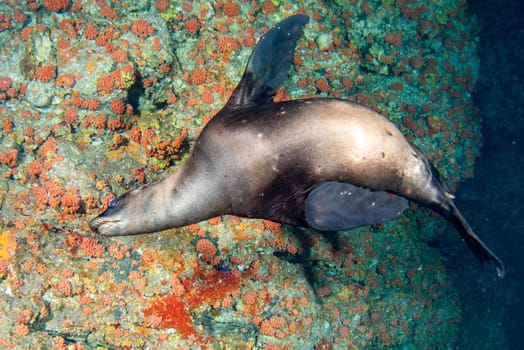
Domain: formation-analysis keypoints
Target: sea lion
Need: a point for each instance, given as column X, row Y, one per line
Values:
column 328, row 164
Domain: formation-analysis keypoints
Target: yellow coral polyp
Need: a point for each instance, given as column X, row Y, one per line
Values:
column 7, row 245
column 170, row 13
column 127, row 79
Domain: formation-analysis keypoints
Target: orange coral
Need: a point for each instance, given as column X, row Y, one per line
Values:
column 71, row 116
column 45, row 73
column 68, row 26
column 106, row 36
column 22, row 330
column 207, row 97
column 77, row 101
column 49, row 146
column 271, row 225
column 9, row 157
column 118, row 251
column 206, row 248
column 40, row 195
column 105, row 83
column 5, row 83
column 266, row 328
column 274, row 326
column 348, row 83
column 192, row 101
column 140, row 174
column 91, row 104
column 90, row 32
column 187, row 7
column 55, row 5
column 19, row 16
column 227, row 44
column 161, row 5
column 322, row 85
column 34, row 168
column 7, row 126
column 118, row 106
column 269, row 7
column 54, row 189
column 3, row 267
column 302, row 83
column 157, row 46
column 249, row 297
column 135, row 134
column 114, row 124
column 91, row 247
column 394, row 38
column 118, row 79
column 169, row 312
column 120, row 55
column 142, row 29
column 67, row 273
column 5, row 21
column 153, row 321
column 231, row 9
column 108, row 12
column 178, row 141
column 209, row 286
column 134, row 275
column 65, row 288
column 65, row 80
column 26, row 32
column 28, row 266
column 198, row 76
column 149, row 82
column 100, row 121
column 417, row 62
column 396, row 86
column 192, row 26
column 71, row 201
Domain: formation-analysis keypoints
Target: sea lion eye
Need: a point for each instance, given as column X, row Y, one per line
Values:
column 112, row 203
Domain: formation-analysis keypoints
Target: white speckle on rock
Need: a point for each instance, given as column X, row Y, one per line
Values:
column 38, row 93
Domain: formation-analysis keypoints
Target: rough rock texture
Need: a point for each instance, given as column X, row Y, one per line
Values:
column 98, row 98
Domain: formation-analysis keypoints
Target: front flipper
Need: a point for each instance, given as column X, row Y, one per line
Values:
column 334, row 206
column 269, row 64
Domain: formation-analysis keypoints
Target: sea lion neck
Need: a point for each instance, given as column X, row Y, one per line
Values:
column 185, row 197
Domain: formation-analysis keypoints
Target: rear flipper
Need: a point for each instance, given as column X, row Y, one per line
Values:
column 334, row 206
column 440, row 200
column 472, row 240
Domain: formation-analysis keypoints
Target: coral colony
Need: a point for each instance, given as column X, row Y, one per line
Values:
column 99, row 96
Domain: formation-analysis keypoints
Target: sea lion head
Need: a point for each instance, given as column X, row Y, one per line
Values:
column 134, row 212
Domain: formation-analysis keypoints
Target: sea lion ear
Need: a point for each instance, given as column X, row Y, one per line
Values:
column 269, row 64
column 334, row 206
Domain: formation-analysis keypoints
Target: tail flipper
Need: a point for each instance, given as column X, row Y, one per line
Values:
column 472, row 240
column 269, row 63
column 441, row 201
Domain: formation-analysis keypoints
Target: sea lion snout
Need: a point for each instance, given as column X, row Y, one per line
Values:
column 98, row 224
column 101, row 224
column 119, row 216
column 106, row 224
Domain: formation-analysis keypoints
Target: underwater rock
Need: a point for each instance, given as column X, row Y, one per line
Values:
column 61, row 286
